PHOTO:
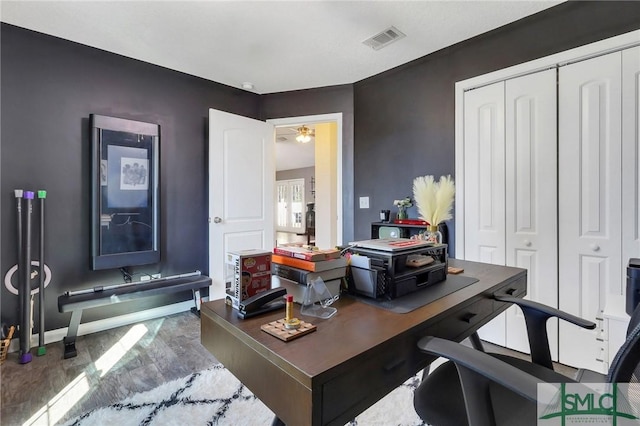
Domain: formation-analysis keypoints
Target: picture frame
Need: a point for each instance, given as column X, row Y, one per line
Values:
column 125, row 192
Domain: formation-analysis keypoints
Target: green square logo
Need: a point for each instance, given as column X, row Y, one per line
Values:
column 593, row 404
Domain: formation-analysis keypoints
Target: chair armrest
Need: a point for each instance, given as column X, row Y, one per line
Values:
column 485, row 365
column 546, row 311
column 478, row 370
column 536, row 316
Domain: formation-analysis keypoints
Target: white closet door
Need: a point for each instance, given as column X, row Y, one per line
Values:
column 531, row 196
column 484, row 174
column 589, row 200
column 484, row 185
column 630, row 156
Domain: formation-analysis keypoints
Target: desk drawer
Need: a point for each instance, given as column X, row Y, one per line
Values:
column 463, row 322
column 381, row 371
column 516, row 289
column 395, row 361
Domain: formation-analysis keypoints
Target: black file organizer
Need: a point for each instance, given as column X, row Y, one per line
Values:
column 389, row 275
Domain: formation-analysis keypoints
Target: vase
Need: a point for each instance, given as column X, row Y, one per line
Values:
column 402, row 213
column 433, row 235
column 310, row 216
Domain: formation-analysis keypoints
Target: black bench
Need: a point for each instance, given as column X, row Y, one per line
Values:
column 76, row 303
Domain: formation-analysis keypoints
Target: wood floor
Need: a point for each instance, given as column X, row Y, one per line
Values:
column 110, row 366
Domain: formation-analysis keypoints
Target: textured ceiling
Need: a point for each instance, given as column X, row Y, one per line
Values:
column 291, row 154
column 277, row 46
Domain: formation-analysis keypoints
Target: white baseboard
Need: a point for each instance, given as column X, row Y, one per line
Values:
column 57, row 335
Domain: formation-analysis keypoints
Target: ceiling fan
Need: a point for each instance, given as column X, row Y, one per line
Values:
column 284, row 134
column 304, row 134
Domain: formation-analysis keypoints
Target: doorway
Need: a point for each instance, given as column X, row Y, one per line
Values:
column 326, row 185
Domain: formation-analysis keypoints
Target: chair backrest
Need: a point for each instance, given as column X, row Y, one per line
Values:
column 635, row 319
column 625, row 367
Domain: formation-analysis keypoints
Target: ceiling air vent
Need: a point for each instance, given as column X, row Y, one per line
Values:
column 384, row 38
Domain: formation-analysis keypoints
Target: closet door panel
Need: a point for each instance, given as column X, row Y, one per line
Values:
column 531, row 195
column 484, row 174
column 484, row 207
column 589, row 200
column 630, row 156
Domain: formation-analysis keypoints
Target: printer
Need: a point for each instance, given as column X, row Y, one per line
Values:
column 393, row 267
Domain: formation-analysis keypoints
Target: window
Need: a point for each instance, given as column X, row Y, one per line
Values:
column 290, row 205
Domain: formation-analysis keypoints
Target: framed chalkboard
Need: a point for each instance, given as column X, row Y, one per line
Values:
column 125, row 196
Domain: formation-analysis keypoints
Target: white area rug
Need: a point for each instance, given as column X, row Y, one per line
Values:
column 216, row 397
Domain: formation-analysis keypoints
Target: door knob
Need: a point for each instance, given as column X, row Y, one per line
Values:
column 594, row 247
column 217, row 219
column 527, row 243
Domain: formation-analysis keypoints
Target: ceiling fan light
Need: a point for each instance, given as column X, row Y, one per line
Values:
column 303, row 138
column 304, row 134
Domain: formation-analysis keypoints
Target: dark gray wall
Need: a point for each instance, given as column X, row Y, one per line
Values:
column 404, row 118
column 396, row 126
column 49, row 88
column 324, row 100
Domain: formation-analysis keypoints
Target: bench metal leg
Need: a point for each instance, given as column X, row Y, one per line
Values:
column 72, row 332
column 196, row 298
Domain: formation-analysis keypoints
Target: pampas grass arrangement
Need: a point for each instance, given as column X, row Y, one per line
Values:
column 434, row 199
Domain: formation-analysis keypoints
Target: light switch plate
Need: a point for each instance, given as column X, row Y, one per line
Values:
column 364, row 202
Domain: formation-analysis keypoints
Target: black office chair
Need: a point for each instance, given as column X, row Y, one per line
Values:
column 476, row 388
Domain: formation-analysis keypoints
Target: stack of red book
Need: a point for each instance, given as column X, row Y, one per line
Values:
column 300, row 266
column 308, row 260
column 313, row 255
column 411, row 222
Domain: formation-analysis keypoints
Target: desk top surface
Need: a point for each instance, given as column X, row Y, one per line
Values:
column 356, row 328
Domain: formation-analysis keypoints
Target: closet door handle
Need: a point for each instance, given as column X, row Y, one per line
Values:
column 594, row 247
column 527, row 243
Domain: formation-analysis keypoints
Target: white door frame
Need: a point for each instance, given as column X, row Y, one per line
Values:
column 322, row 118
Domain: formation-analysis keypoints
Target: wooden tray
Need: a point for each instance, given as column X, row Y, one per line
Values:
column 277, row 329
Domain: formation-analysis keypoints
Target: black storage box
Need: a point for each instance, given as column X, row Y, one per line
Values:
column 391, row 276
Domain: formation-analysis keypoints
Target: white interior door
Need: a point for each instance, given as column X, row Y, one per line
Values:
column 590, row 201
column 531, row 197
column 484, row 186
column 241, row 190
column 484, row 174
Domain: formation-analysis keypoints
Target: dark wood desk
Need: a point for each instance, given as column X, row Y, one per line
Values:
column 354, row 359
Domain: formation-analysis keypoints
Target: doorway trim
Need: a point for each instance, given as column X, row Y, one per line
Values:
column 323, row 118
